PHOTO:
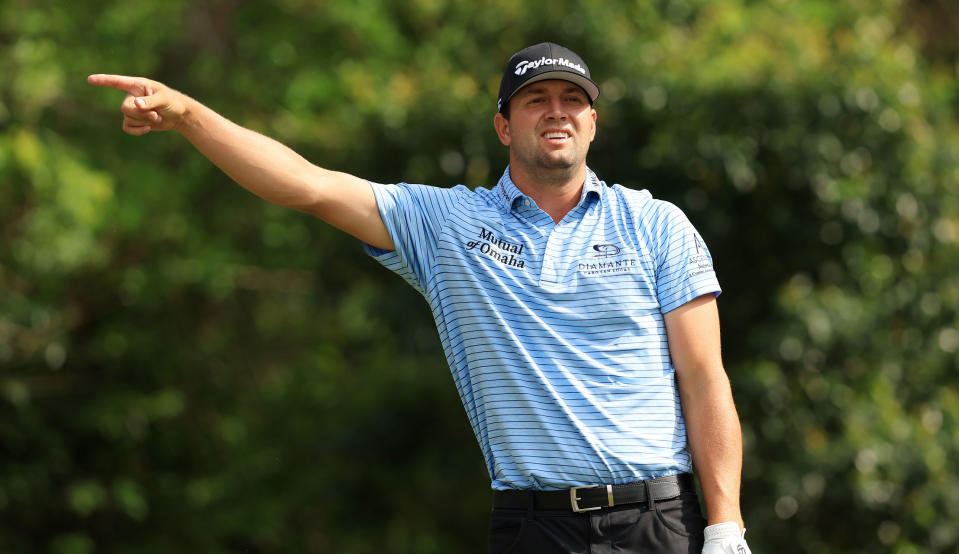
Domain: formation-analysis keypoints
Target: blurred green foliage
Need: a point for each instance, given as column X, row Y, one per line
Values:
column 186, row 368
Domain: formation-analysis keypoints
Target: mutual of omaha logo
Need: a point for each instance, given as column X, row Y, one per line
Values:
column 608, row 259
column 503, row 251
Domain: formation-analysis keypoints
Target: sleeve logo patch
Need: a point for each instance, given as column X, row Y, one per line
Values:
column 699, row 262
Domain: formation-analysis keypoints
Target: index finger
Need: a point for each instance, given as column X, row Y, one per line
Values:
column 119, row 82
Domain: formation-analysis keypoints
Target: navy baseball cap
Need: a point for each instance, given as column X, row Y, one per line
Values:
column 545, row 60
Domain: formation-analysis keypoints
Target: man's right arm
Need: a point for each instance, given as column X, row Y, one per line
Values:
column 258, row 163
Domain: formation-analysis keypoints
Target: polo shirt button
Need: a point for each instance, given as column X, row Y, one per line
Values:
column 527, row 202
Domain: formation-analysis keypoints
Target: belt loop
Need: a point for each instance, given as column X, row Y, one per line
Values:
column 649, row 495
column 531, row 510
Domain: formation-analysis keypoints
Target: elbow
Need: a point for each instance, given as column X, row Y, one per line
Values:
column 312, row 196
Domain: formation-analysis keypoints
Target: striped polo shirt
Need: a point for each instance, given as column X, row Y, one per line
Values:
column 554, row 332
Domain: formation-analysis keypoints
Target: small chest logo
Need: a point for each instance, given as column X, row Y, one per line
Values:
column 605, row 250
column 607, row 259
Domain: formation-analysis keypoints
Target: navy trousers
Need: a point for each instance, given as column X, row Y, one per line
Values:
column 665, row 526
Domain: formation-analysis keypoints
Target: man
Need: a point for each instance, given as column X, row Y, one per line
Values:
column 579, row 320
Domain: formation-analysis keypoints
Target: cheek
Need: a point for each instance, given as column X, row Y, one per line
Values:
column 587, row 127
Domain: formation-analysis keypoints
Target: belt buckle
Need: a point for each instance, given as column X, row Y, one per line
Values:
column 573, row 499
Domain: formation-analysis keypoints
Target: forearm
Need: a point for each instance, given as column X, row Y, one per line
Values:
column 258, row 163
column 715, row 441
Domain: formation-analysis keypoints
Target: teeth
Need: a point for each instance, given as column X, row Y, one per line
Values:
column 555, row 135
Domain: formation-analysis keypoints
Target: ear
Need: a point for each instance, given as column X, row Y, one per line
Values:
column 593, row 130
column 502, row 128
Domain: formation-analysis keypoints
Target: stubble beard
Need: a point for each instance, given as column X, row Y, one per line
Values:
column 550, row 169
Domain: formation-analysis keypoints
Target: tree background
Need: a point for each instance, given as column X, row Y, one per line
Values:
column 184, row 367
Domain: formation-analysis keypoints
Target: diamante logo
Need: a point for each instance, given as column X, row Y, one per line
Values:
column 605, row 250
column 525, row 65
column 608, row 259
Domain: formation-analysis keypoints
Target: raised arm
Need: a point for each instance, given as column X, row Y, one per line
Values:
column 258, row 163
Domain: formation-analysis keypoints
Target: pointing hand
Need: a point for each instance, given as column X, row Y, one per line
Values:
column 148, row 106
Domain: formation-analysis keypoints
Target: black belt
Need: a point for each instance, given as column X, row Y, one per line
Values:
column 595, row 497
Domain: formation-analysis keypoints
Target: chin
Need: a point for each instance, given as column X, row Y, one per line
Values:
column 558, row 163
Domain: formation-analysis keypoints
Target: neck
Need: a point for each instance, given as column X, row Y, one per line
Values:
column 556, row 192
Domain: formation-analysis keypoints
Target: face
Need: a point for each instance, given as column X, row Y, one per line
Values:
column 550, row 127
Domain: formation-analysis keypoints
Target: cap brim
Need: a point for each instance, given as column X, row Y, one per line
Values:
column 592, row 90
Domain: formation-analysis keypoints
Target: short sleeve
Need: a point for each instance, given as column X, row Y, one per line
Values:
column 414, row 215
column 684, row 265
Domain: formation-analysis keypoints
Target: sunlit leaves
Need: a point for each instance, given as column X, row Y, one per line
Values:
column 184, row 368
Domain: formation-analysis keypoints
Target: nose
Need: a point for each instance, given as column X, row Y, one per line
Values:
column 556, row 110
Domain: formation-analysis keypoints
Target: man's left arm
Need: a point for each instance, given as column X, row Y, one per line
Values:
column 712, row 424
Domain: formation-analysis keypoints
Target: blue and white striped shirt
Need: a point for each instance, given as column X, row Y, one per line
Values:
column 554, row 331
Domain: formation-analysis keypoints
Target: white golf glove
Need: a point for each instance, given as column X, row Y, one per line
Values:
column 724, row 538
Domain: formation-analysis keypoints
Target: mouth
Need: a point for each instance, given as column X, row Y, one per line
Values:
column 556, row 135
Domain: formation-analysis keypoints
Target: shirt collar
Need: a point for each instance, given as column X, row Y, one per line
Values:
column 592, row 187
column 508, row 189
column 510, row 193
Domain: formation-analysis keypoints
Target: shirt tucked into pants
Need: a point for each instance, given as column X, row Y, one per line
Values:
column 663, row 526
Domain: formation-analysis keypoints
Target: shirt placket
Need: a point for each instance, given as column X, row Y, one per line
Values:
column 552, row 262
column 544, row 226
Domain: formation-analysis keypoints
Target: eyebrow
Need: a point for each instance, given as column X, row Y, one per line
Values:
column 533, row 89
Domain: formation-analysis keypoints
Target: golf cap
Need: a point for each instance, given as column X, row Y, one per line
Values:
column 542, row 61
